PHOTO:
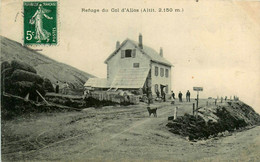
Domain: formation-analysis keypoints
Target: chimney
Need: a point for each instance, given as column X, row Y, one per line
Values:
column 117, row 44
column 161, row 52
column 140, row 41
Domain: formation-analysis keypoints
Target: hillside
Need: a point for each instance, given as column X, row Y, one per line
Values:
column 45, row 66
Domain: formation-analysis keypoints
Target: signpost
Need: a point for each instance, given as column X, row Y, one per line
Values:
column 197, row 105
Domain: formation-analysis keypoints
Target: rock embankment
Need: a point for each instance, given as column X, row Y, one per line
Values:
column 215, row 120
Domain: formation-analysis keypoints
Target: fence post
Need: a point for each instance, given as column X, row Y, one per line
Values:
column 193, row 108
column 175, row 113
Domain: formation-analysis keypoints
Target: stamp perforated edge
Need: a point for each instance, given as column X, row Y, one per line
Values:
column 58, row 24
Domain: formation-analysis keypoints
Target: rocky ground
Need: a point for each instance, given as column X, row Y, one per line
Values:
column 117, row 134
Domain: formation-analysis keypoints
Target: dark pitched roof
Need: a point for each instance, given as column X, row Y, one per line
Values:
column 148, row 51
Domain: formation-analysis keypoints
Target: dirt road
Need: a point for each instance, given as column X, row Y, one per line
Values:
column 118, row 133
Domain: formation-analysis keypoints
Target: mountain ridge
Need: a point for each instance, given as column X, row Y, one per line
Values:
column 45, row 66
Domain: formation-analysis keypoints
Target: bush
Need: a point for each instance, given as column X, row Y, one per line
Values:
column 22, row 66
column 21, row 75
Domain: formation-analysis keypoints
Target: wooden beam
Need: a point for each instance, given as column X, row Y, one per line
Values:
column 42, row 97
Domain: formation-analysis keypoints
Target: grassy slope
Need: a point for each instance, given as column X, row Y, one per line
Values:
column 45, row 66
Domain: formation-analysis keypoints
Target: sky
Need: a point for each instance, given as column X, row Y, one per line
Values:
column 212, row 44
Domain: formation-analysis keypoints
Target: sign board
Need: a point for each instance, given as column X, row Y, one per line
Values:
column 198, row 88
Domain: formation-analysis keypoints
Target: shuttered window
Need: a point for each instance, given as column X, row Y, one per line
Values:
column 133, row 53
column 166, row 73
column 162, row 72
column 156, row 71
column 128, row 53
column 122, row 53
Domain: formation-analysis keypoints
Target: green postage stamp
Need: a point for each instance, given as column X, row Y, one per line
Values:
column 40, row 23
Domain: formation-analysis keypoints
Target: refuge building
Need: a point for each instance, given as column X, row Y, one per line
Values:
column 135, row 67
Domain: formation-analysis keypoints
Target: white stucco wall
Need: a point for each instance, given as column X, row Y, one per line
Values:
column 116, row 62
column 160, row 80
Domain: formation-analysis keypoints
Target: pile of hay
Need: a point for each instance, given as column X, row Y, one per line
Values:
column 22, row 66
column 22, row 75
column 19, row 79
column 47, row 85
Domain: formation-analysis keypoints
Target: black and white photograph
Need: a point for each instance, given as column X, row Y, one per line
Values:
column 139, row 80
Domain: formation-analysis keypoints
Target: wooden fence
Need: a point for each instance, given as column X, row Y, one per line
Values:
column 114, row 97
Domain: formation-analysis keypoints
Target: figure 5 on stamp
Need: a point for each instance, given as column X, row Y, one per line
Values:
column 40, row 23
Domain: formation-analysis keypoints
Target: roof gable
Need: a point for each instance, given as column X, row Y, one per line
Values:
column 147, row 51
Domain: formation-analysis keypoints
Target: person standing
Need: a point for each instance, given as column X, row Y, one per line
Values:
column 157, row 93
column 163, row 96
column 188, row 96
column 173, row 95
column 57, row 87
column 180, row 96
column 173, row 98
column 65, row 88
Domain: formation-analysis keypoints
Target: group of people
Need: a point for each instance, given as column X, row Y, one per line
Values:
column 61, row 87
column 163, row 96
column 180, row 96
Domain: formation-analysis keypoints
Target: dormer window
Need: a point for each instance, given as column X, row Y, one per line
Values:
column 128, row 53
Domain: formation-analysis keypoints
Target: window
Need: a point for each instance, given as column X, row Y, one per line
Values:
column 162, row 72
column 128, row 53
column 136, row 65
column 166, row 89
column 156, row 88
column 166, row 73
column 156, row 71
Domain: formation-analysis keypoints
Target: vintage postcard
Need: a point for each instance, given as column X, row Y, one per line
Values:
column 139, row 80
